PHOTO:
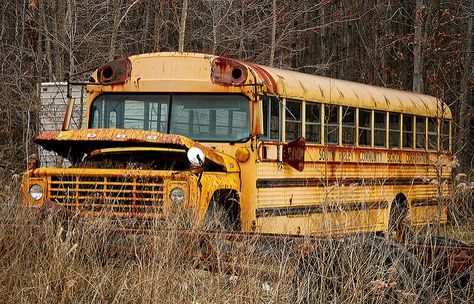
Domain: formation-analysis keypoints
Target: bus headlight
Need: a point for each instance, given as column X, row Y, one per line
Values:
column 36, row 192
column 177, row 195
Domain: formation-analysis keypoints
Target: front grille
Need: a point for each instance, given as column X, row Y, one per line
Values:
column 119, row 195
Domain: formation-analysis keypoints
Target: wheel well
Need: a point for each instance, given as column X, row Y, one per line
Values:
column 400, row 200
column 228, row 201
column 398, row 211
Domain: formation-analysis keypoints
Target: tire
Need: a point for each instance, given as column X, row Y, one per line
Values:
column 446, row 283
column 363, row 269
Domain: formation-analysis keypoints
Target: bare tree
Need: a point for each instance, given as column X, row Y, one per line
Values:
column 417, row 52
column 182, row 25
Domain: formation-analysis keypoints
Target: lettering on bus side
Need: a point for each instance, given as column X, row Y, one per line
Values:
column 417, row 158
column 370, row 156
column 393, row 157
column 326, row 155
column 346, row 156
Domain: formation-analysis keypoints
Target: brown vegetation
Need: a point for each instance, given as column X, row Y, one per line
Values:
column 52, row 259
column 399, row 44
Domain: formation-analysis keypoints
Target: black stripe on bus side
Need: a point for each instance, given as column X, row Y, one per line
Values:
column 302, row 210
column 321, row 182
column 427, row 202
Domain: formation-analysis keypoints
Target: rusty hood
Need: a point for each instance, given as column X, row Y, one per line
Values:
column 73, row 144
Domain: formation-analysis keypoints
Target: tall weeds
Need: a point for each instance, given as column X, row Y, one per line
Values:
column 49, row 260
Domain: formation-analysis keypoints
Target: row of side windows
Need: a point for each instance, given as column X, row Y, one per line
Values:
column 350, row 126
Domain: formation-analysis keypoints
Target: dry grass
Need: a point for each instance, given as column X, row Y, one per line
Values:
column 49, row 261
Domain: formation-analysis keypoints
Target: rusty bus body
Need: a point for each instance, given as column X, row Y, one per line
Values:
column 359, row 152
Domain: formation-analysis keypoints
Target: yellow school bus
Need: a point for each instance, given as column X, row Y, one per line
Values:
column 274, row 151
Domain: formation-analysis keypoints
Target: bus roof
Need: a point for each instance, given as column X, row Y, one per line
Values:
column 342, row 92
column 291, row 84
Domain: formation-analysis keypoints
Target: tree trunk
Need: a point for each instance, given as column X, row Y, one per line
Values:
column 71, row 6
column 159, row 15
column 44, row 26
column 417, row 52
column 115, row 29
column 466, row 83
column 274, row 23
column 182, row 25
column 322, row 49
column 144, row 47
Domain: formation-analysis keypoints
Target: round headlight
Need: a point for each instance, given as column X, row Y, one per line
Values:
column 177, row 195
column 36, row 192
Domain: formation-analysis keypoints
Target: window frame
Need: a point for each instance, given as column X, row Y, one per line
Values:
column 391, row 131
column 385, row 129
column 271, row 99
column 423, row 133
column 353, row 127
column 365, row 128
column 412, row 131
column 443, row 135
column 289, row 118
column 433, row 133
column 311, row 123
column 327, row 124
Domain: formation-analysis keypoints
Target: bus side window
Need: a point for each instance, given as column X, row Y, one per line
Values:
column 407, row 131
column 313, row 122
column 444, row 135
column 394, row 130
column 348, row 126
column 293, row 120
column 365, row 127
column 432, row 133
column 331, row 124
column 420, row 133
column 380, row 129
column 271, row 118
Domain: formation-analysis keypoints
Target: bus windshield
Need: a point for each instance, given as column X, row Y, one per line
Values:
column 203, row 117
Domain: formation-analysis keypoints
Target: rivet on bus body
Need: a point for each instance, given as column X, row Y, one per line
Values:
column 242, row 154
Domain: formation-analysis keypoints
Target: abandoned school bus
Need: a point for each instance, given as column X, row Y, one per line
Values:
column 275, row 151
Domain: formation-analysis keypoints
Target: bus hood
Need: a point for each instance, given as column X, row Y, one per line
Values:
column 73, row 144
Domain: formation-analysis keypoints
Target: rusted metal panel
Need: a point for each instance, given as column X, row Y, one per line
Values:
column 229, row 72
column 114, row 72
column 265, row 76
column 92, row 139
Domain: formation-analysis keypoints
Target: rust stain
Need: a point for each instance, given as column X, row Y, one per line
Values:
column 114, row 72
column 124, row 135
column 228, row 71
column 262, row 73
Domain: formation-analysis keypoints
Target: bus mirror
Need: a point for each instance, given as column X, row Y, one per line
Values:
column 196, row 157
column 293, row 153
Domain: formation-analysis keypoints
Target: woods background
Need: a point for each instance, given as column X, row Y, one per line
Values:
column 418, row 45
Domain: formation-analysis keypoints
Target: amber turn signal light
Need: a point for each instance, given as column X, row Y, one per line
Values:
column 242, row 154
